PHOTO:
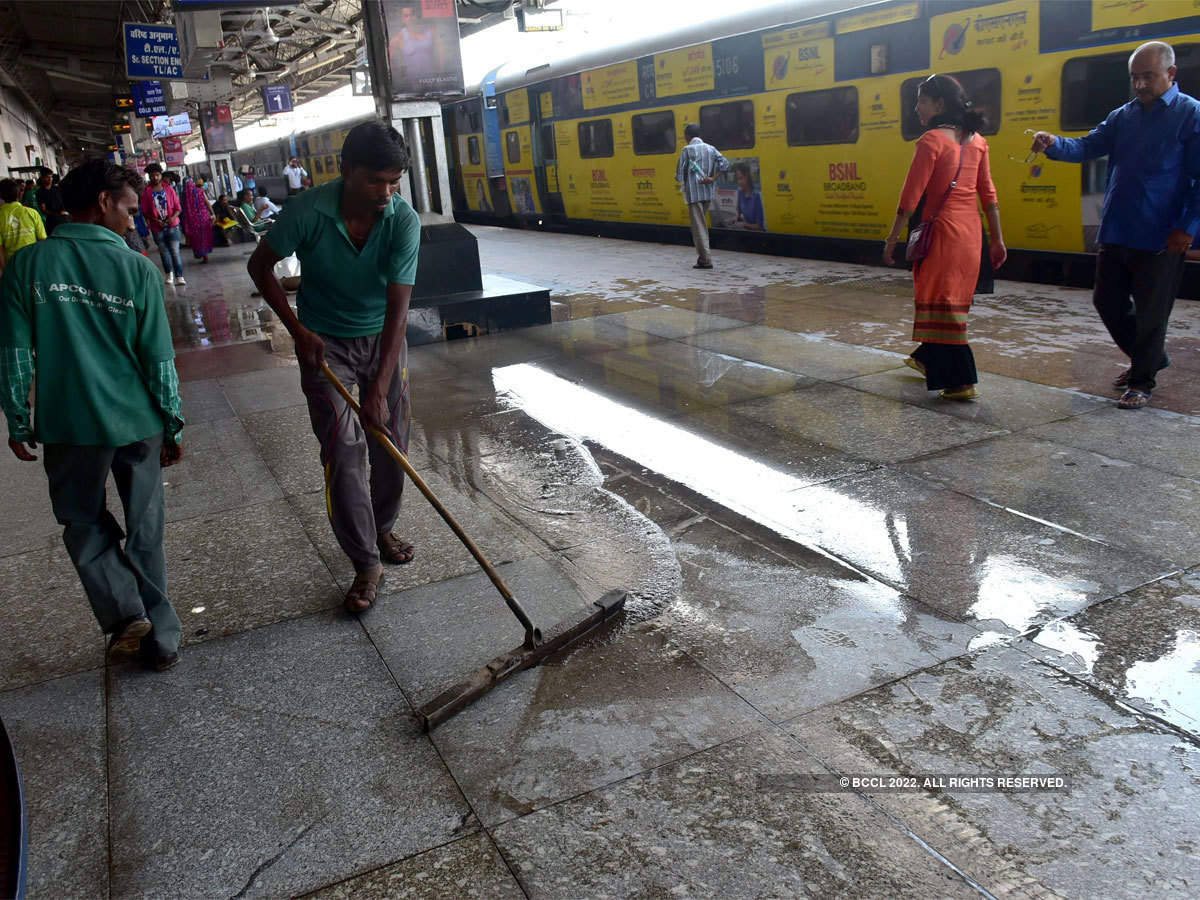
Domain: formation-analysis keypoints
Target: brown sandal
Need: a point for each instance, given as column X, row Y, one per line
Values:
column 395, row 551
column 361, row 595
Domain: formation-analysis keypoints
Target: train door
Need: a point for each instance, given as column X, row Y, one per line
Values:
column 545, row 154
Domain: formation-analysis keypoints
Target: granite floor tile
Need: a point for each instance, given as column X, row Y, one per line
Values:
column 221, row 469
column 1008, row 403
column 468, row 869
column 26, row 490
column 672, row 322
column 275, row 762
column 57, row 729
column 49, row 629
column 609, row 710
column 971, row 560
column 480, row 355
column 704, row 827
column 1118, row 502
column 244, row 568
column 790, row 638
column 581, row 337
column 1173, row 437
column 439, row 553
column 252, row 392
column 870, row 427
column 1143, row 648
column 806, row 354
column 681, row 377
column 1125, row 828
column 204, row 401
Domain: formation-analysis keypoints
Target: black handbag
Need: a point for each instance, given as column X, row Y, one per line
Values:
column 920, row 239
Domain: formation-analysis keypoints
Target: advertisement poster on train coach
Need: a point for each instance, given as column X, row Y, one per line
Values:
column 1122, row 13
column 738, row 202
column 424, row 56
column 685, row 71
column 798, row 57
column 611, row 85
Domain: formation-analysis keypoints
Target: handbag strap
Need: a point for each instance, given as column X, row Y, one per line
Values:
column 962, row 148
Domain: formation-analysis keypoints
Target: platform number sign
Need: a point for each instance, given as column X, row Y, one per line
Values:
column 277, row 98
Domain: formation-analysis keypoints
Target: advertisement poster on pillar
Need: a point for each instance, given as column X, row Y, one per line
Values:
column 216, row 127
column 173, row 152
column 738, row 201
column 423, row 47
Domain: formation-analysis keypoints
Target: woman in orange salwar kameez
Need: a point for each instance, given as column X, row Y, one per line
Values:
column 944, row 281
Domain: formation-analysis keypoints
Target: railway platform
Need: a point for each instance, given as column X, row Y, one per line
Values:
column 855, row 610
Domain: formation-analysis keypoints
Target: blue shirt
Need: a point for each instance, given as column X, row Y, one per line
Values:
column 750, row 209
column 708, row 160
column 1153, row 169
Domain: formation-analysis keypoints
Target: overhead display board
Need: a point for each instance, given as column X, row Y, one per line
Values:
column 423, row 50
column 149, row 99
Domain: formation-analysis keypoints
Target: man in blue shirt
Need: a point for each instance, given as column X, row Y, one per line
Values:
column 1151, row 211
column 357, row 241
column 698, row 166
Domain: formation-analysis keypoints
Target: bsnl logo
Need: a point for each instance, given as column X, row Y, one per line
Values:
column 598, row 175
column 843, row 171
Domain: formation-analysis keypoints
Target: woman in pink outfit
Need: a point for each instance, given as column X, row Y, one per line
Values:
column 198, row 217
column 160, row 207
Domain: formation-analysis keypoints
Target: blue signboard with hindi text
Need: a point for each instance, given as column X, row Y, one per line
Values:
column 152, row 51
column 149, row 99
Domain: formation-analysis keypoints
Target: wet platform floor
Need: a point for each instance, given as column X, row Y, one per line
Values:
column 830, row 572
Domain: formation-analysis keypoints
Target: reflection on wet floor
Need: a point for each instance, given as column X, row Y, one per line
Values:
column 830, row 570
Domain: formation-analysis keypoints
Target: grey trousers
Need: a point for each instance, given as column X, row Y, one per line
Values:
column 698, row 217
column 360, row 508
column 120, row 581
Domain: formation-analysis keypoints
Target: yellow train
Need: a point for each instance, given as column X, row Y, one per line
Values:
column 821, row 111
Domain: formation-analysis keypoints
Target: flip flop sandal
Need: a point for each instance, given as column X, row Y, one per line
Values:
column 1132, row 399
column 914, row 364
column 363, row 591
column 395, row 551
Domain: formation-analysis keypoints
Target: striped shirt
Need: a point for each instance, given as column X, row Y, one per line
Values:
column 708, row 160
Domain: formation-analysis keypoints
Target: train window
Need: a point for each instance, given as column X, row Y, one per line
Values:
column 654, row 133
column 728, row 126
column 512, row 144
column 317, row 165
column 982, row 87
column 549, row 150
column 476, row 120
column 823, row 117
column 1092, row 87
column 473, row 150
column 595, row 139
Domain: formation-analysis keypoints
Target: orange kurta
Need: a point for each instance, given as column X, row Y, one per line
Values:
column 944, row 281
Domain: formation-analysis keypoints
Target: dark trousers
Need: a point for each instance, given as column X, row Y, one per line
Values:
column 361, row 506
column 1134, row 294
column 120, row 581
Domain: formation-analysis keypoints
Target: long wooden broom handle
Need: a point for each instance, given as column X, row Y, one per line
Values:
column 532, row 634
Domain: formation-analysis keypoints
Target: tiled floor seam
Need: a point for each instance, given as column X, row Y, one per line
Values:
column 108, row 819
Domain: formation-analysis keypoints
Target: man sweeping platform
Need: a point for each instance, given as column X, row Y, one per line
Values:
column 357, row 241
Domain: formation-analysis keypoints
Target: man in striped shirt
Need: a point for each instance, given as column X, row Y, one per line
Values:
column 698, row 166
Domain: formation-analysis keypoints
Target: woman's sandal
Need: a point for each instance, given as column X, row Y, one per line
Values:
column 395, row 551
column 361, row 595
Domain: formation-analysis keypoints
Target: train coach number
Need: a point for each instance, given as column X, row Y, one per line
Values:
column 726, row 65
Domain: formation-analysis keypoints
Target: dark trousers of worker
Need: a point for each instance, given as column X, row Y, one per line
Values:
column 1134, row 294
column 120, row 581
column 360, row 507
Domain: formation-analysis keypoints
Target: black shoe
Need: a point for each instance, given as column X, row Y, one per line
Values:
column 127, row 637
column 702, row 266
column 163, row 661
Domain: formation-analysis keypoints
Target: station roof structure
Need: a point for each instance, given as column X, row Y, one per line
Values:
column 67, row 60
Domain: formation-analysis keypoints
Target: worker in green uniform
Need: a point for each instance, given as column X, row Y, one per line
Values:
column 87, row 316
column 357, row 241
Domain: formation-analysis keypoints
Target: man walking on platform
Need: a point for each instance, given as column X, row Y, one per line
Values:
column 20, row 226
column 357, row 241
column 698, row 166
column 87, row 316
column 1151, row 211
column 295, row 174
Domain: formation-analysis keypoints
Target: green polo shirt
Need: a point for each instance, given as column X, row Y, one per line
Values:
column 343, row 290
column 20, row 226
column 94, row 313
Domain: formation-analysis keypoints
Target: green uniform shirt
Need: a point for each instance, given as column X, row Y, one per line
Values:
column 93, row 311
column 343, row 291
column 20, row 226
